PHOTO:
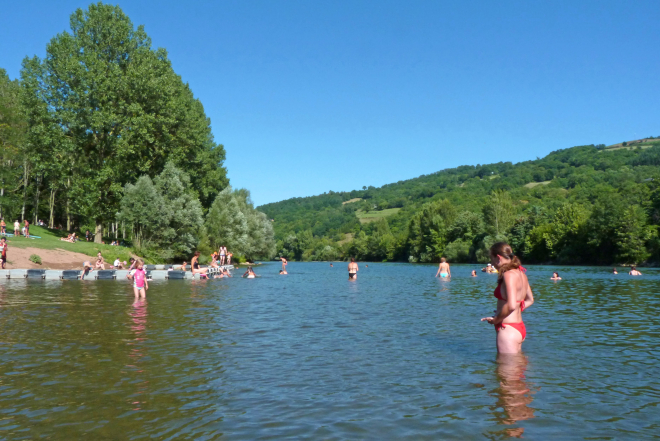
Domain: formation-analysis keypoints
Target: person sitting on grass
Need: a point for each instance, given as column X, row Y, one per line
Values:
column 118, row 264
column 100, row 263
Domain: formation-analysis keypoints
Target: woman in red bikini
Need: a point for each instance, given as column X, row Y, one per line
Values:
column 513, row 295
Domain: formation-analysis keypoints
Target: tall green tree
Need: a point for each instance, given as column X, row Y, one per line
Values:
column 226, row 223
column 499, row 213
column 427, row 231
column 123, row 110
column 164, row 214
column 13, row 137
column 631, row 235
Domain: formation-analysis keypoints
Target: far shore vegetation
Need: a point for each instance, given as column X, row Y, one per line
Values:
column 582, row 205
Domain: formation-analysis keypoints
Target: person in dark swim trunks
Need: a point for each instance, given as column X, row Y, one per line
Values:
column 352, row 269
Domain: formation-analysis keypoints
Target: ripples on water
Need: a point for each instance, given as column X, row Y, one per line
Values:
column 397, row 354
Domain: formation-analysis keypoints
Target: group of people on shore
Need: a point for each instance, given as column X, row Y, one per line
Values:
column 18, row 231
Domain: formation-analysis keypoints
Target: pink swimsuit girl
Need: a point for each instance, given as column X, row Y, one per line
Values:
column 138, row 278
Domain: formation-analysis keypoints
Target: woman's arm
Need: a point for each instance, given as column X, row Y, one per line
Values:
column 529, row 296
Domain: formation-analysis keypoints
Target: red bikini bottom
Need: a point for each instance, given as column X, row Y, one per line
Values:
column 520, row 327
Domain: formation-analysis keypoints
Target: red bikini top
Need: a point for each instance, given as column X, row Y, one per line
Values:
column 498, row 294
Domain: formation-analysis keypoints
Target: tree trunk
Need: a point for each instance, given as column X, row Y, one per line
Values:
column 68, row 212
column 51, row 205
column 26, row 175
column 36, row 200
column 98, row 236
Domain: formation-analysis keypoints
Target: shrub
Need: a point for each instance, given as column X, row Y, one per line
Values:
column 36, row 259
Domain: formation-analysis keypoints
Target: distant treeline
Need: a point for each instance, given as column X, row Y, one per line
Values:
column 581, row 205
column 102, row 114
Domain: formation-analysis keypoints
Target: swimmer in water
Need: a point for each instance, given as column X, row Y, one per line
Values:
column 555, row 276
column 443, row 269
column 634, row 272
column 614, row 271
column 474, row 273
column 352, row 269
column 249, row 274
column 331, row 266
column 513, row 295
column 282, row 272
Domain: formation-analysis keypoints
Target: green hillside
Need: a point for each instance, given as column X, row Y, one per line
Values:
column 586, row 204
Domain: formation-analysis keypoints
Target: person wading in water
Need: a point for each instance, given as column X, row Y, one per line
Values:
column 352, row 269
column 443, row 269
column 513, row 295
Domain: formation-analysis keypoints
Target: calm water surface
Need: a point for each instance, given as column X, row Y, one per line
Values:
column 397, row 354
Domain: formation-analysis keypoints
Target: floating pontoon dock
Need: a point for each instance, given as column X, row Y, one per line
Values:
column 154, row 272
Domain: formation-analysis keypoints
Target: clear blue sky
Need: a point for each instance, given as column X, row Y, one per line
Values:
column 311, row 96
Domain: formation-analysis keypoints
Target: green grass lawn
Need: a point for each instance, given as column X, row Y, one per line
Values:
column 50, row 240
column 375, row 215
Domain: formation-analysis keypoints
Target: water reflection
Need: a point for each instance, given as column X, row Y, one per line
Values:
column 138, row 325
column 514, row 395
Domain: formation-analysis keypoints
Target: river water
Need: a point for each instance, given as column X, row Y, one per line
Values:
column 397, row 354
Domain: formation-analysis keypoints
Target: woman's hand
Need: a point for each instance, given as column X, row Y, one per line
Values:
column 490, row 320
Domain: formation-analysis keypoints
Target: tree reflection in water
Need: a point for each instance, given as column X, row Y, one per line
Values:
column 513, row 395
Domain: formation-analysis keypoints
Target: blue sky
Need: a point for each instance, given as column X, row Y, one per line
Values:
column 311, row 96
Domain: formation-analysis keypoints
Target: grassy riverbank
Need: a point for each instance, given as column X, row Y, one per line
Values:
column 50, row 240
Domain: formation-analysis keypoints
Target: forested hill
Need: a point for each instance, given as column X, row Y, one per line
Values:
column 585, row 204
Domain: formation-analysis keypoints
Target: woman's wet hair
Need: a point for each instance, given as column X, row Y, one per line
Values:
column 352, row 259
column 556, row 274
column 197, row 253
column 443, row 260
column 504, row 249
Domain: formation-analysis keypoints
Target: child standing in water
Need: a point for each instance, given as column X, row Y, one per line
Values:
column 139, row 276
column 3, row 248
